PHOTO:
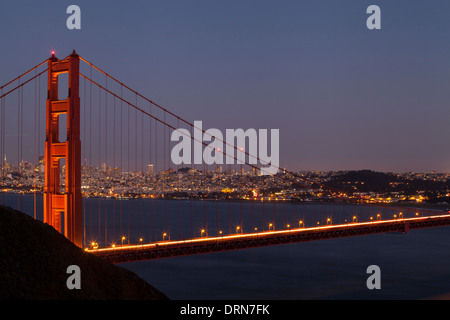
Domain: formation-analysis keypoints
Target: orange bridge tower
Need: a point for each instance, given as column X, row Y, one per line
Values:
column 62, row 208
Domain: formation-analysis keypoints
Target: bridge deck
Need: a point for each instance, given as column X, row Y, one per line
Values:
column 166, row 249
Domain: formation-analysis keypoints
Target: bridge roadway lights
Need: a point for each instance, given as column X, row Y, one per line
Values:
column 232, row 242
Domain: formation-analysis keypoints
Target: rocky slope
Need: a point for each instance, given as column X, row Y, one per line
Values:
column 34, row 259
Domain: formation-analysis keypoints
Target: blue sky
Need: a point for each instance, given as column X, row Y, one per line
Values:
column 344, row 97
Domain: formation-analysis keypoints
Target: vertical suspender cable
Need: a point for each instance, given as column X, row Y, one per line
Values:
column 114, row 172
column 142, row 174
column 84, row 156
column 165, row 174
column 90, row 150
column 153, row 173
column 106, row 159
column 99, row 156
column 35, row 147
column 136, row 178
column 157, row 179
column 128, row 174
column 18, row 139
column 121, row 156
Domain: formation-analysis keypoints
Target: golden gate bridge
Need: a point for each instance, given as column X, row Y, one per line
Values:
column 94, row 184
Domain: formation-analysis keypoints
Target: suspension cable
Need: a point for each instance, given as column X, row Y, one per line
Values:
column 220, row 151
column 24, row 74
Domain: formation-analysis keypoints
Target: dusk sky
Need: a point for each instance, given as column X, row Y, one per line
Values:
column 343, row 96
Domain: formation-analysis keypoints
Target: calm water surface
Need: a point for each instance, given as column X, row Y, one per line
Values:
column 413, row 266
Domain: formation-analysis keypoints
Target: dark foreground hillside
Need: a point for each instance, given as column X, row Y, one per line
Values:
column 34, row 259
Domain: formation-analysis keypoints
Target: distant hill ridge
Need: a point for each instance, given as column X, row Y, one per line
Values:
column 367, row 181
column 33, row 266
